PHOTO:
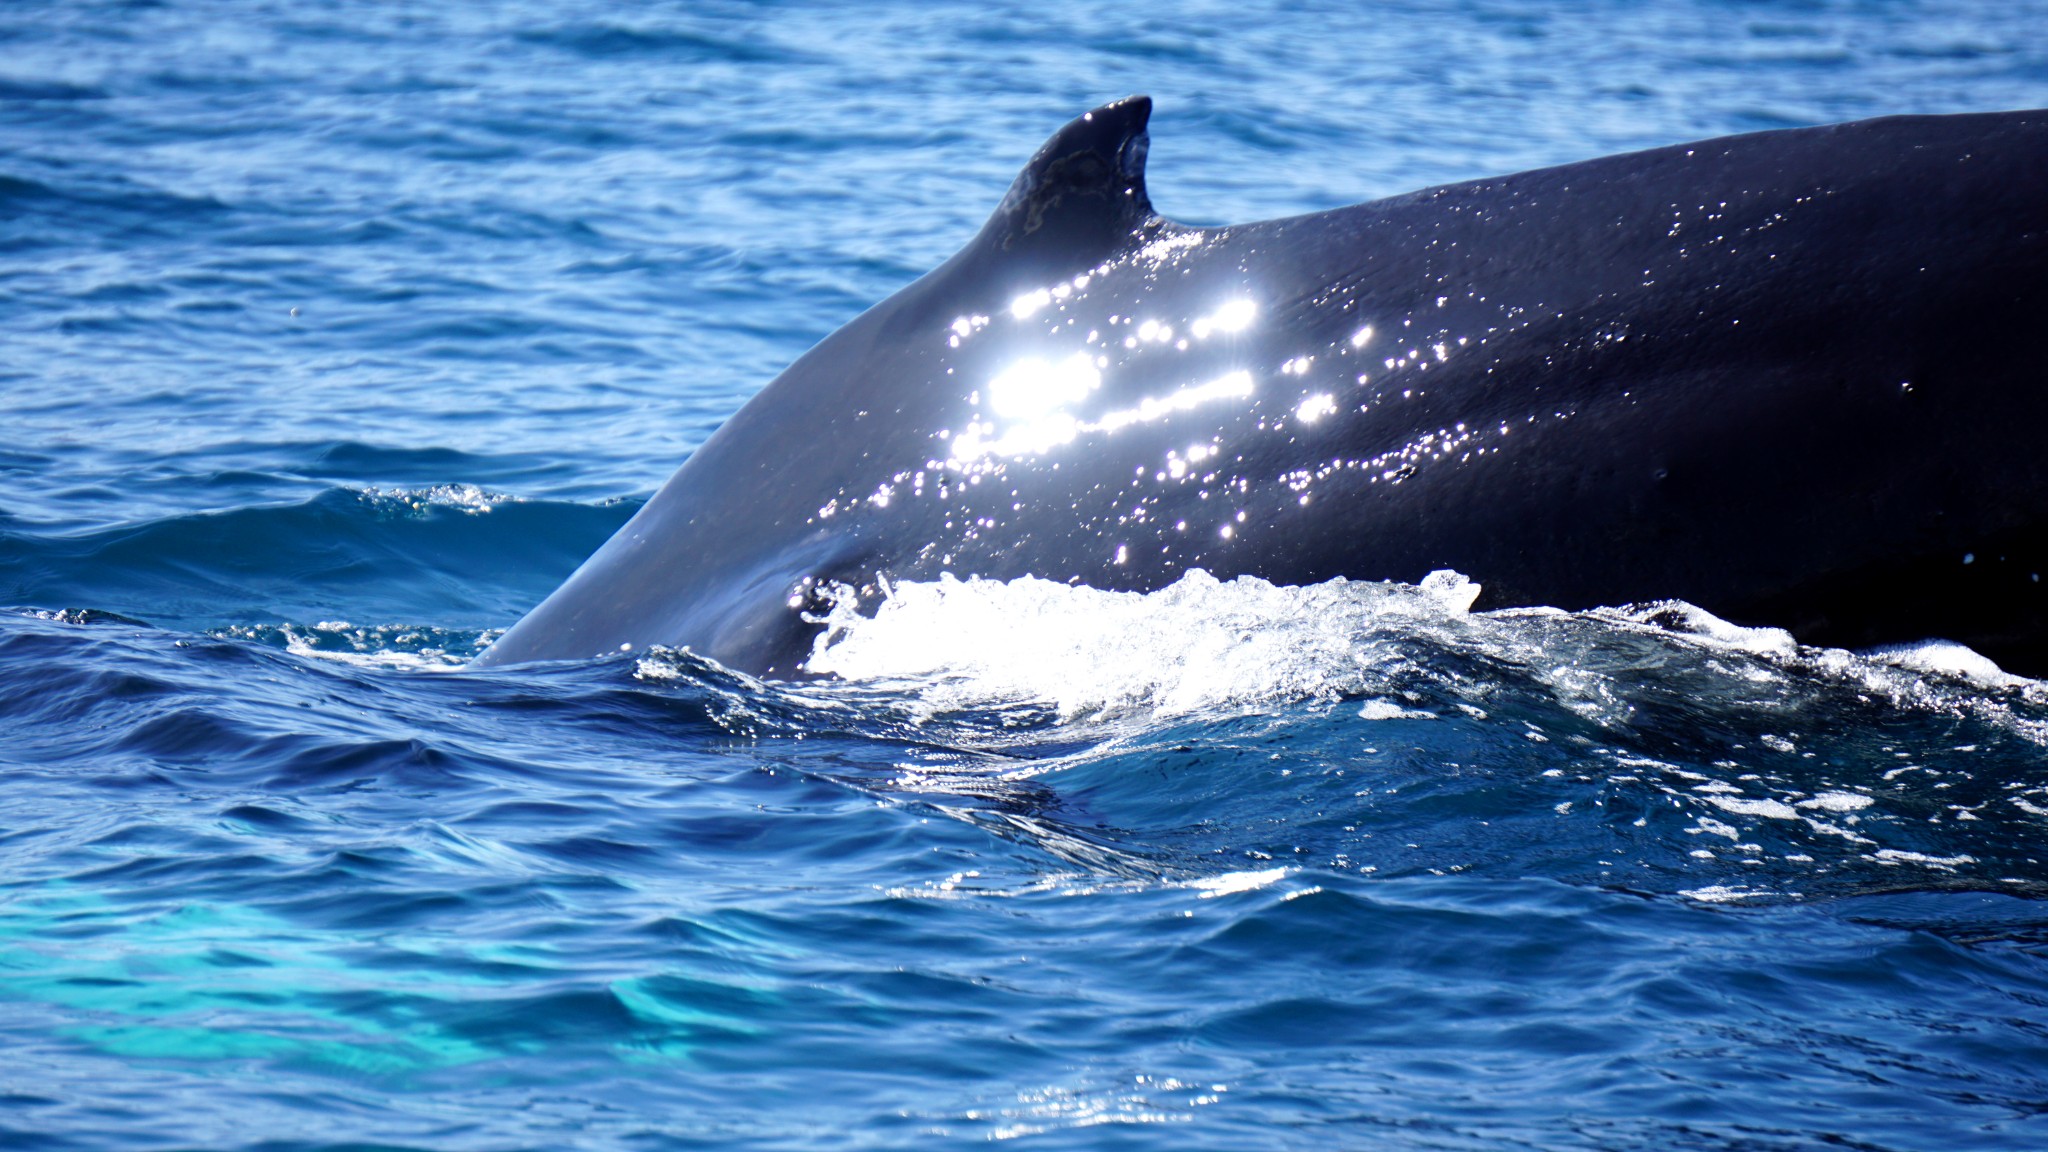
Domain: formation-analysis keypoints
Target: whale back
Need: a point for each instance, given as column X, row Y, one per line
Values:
column 1781, row 375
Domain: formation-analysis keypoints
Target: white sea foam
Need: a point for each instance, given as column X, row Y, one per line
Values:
column 1036, row 649
column 1940, row 863
column 1730, row 894
column 398, row 646
column 1837, row 802
column 1946, row 658
column 1703, row 627
column 1754, row 806
column 1198, row 643
column 462, row 497
column 1202, row 643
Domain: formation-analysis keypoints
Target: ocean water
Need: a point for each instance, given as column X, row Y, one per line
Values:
column 333, row 336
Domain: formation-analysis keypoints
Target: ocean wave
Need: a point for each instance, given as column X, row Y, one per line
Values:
column 409, row 646
column 1201, row 643
column 465, row 555
column 1654, row 746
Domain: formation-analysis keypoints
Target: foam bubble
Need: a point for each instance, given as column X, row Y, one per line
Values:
column 1751, row 806
column 1198, row 643
column 395, row 646
column 1946, row 658
column 1838, row 802
column 1730, row 894
column 466, row 498
column 1698, row 624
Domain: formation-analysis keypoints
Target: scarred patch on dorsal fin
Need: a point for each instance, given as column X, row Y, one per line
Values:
column 1083, row 193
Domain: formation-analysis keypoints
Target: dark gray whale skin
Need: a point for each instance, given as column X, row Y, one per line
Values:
column 1798, row 378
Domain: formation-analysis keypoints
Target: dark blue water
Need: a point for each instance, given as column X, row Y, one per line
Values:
column 332, row 336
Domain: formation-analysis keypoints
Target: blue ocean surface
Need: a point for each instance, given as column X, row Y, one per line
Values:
column 333, row 336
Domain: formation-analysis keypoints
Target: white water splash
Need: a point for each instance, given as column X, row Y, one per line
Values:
column 467, row 498
column 1198, row 643
column 1203, row 643
column 1946, row 658
column 404, row 647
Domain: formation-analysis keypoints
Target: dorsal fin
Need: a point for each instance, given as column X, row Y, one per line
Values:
column 1083, row 193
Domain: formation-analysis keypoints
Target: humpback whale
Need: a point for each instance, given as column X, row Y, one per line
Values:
column 1798, row 378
